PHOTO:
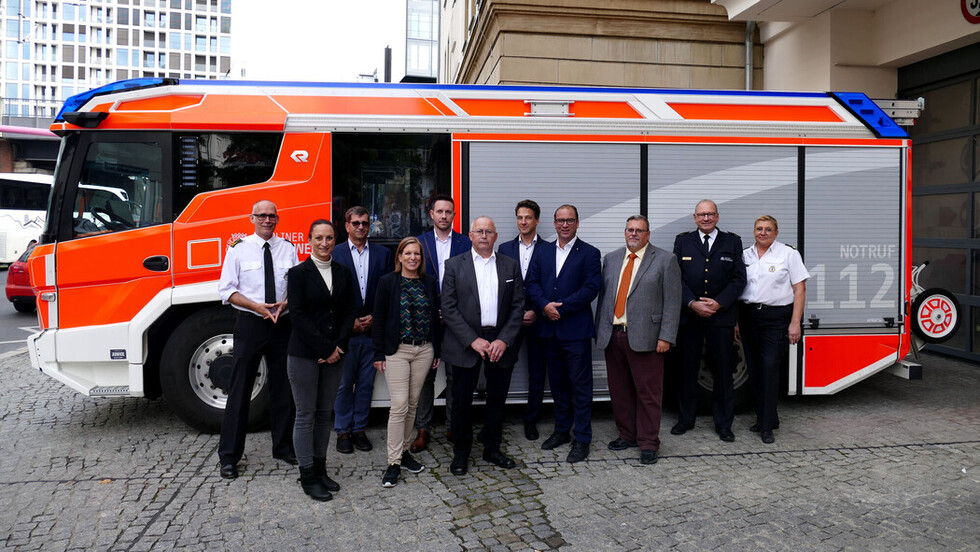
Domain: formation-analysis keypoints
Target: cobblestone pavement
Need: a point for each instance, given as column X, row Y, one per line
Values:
column 886, row 465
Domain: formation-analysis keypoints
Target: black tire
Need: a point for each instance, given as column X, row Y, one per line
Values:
column 25, row 306
column 202, row 343
column 935, row 315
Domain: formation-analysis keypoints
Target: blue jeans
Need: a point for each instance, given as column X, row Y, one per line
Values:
column 356, row 386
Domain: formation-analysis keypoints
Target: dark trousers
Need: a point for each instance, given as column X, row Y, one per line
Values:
column 636, row 388
column 256, row 338
column 465, row 380
column 426, row 407
column 569, row 366
column 353, row 403
column 718, row 344
column 314, row 387
column 765, row 341
column 535, row 371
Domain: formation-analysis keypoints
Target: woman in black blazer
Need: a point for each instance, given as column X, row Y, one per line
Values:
column 321, row 302
column 406, row 347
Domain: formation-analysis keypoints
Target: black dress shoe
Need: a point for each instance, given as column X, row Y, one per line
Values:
column 726, row 435
column 289, row 458
column 344, row 444
column 362, row 442
column 498, row 458
column 579, row 452
column 556, row 440
column 757, row 427
column 767, row 437
column 229, row 471
column 621, row 444
column 680, row 428
column 531, row 431
column 459, row 464
column 649, row 457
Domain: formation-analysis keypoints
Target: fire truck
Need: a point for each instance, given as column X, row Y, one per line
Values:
column 127, row 279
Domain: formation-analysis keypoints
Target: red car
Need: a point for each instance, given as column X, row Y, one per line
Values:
column 19, row 290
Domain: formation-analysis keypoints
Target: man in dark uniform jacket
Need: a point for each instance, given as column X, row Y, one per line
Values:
column 713, row 276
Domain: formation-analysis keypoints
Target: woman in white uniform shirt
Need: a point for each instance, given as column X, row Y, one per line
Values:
column 769, row 316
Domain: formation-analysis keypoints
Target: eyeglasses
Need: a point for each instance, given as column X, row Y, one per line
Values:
column 266, row 216
column 565, row 222
column 483, row 232
column 705, row 215
column 636, row 231
column 356, row 223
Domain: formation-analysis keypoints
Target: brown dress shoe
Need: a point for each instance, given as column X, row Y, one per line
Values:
column 421, row 441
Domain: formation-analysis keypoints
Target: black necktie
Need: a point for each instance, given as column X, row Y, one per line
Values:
column 706, row 246
column 270, row 275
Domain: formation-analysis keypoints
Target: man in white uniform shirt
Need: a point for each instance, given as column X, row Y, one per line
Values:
column 253, row 281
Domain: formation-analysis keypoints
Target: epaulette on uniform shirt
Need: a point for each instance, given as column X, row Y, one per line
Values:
column 236, row 242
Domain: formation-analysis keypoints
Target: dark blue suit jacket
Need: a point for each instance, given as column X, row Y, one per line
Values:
column 719, row 275
column 379, row 264
column 511, row 249
column 458, row 243
column 576, row 287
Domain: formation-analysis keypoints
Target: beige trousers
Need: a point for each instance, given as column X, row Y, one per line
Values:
column 405, row 373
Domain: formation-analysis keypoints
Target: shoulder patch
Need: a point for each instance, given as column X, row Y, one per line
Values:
column 234, row 243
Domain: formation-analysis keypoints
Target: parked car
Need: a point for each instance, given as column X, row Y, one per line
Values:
column 19, row 290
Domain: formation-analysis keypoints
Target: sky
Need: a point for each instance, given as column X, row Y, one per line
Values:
column 316, row 40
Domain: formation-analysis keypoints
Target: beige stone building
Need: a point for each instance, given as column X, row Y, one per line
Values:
column 648, row 43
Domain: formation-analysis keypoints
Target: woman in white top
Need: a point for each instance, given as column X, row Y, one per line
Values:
column 769, row 316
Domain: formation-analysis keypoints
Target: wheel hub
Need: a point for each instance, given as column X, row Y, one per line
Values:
column 211, row 367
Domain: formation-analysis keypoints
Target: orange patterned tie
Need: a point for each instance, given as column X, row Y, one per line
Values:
column 624, row 287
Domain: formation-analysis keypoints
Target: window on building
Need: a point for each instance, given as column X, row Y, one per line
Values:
column 122, row 16
column 149, row 19
column 200, row 43
column 226, row 24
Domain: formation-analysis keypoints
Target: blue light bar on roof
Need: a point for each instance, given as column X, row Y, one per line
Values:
column 865, row 109
column 76, row 102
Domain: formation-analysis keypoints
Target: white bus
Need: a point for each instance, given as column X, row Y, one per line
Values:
column 23, row 204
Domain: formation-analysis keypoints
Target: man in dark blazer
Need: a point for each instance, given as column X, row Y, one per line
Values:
column 562, row 282
column 636, row 323
column 482, row 306
column 437, row 246
column 367, row 263
column 713, row 276
column 524, row 249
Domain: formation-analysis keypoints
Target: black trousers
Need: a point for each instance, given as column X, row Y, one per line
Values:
column 717, row 342
column 465, row 380
column 536, row 370
column 256, row 338
column 765, row 340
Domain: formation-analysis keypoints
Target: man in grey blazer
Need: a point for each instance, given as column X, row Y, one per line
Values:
column 483, row 310
column 636, row 323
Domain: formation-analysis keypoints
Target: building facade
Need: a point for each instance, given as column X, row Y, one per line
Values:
column 52, row 49
column 650, row 43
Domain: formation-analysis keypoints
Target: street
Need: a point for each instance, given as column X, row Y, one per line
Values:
column 14, row 326
column 888, row 464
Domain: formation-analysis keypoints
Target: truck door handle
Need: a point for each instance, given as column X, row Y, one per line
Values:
column 157, row 263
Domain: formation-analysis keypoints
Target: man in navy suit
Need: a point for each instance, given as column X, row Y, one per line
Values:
column 437, row 246
column 524, row 249
column 562, row 282
column 712, row 278
column 367, row 262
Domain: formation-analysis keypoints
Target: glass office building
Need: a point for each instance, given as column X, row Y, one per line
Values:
column 52, row 49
